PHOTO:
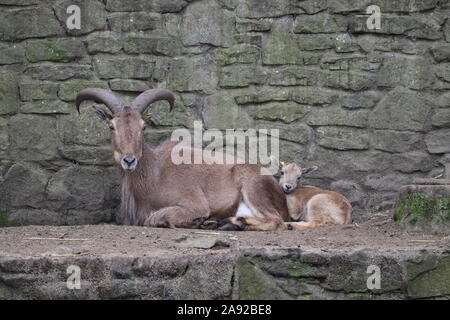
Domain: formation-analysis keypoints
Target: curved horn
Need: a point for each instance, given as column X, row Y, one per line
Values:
column 149, row 96
column 100, row 96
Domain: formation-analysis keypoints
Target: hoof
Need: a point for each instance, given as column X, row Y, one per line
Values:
column 210, row 225
column 228, row 225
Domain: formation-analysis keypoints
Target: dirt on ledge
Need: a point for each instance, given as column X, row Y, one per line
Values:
column 374, row 231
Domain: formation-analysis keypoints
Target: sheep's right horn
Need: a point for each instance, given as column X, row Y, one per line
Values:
column 147, row 97
column 100, row 96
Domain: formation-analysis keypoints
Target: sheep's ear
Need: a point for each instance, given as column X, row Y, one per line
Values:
column 309, row 170
column 102, row 114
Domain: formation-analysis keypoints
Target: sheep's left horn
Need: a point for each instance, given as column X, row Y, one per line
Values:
column 146, row 98
column 100, row 96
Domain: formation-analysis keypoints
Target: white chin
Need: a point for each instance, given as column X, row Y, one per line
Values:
column 128, row 168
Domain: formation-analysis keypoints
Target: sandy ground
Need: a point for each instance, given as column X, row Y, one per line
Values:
column 374, row 231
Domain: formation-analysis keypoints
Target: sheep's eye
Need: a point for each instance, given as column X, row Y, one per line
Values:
column 281, row 173
column 298, row 178
column 143, row 129
column 112, row 128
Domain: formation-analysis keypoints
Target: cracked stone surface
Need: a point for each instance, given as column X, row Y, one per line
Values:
column 123, row 262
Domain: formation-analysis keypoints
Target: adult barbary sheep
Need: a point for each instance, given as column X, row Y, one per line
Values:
column 156, row 192
column 315, row 206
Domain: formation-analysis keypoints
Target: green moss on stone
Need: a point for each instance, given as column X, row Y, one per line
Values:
column 4, row 217
column 299, row 269
column 399, row 212
column 422, row 212
column 432, row 283
column 55, row 53
column 251, row 285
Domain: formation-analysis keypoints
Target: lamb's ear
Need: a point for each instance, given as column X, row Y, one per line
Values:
column 102, row 114
column 278, row 174
column 309, row 170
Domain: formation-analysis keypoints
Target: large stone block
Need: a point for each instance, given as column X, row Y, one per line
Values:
column 69, row 90
column 19, row 2
column 11, row 53
column 282, row 47
column 183, row 114
column 358, row 100
column 161, row 6
column 441, row 53
column 76, row 188
column 45, row 107
column 413, row 73
column 55, row 50
column 33, row 22
column 414, row 161
column 59, row 72
column 222, row 112
column 342, row 138
column 338, row 117
column 253, row 25
column 100, row 155
column 242, row 53
column 286, row 112
column 396, row 141
column 33, row 137
column 24, row 186
column 446, row 29
column 405, row 6
column 345, row 6
column 157, row 45
column 261, row 95
column 295, row 132
column 92, row 12
column 309, row 42
column 118, row 67
column 294, row 76
column 443, row 72
column 314, row 96
column 38, row 90
column 4, row 139
column 386, row 181
column 83, row 129
column 236, row 76
column 320, row 23
column 438, row 141
column 354, row 81
column 9, row 94
column 205, row 22
column 191, row 74
column 401, row 109
column 103, row 42
column 129, row 85
column 267, row 8
column 417, row 28
column 134, row 21
column 441, row 118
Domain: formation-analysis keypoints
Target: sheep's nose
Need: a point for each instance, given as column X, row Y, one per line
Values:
column 129, row 160
column 287, row 187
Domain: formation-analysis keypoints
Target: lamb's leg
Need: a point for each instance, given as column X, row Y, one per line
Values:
column 252, row 224
column 303, row 225
column 176, row 217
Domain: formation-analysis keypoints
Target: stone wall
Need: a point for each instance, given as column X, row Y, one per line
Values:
column 371, row 108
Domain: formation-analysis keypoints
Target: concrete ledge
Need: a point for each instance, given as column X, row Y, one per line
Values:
column 121, row 262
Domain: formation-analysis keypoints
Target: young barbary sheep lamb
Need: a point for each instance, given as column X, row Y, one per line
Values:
column 315, row 206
